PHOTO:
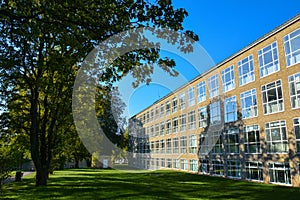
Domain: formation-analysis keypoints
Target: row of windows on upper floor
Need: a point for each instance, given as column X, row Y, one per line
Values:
column 268, row 64
column 272, row 101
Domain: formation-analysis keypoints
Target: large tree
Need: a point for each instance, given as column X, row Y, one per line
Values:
column 41, row 43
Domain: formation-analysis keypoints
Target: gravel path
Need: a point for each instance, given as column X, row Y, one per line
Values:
column 12, row 179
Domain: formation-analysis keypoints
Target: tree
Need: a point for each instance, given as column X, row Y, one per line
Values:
column 41, row 45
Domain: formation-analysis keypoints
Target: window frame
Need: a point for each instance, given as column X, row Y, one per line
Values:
column 243, row 77
column 296, row 95
column 271, row 142
column 253, row 107
column 263, row 67
column 213, row 86
column 201, row 91
column 228, row 85
column 287, row 40
column 277, row 85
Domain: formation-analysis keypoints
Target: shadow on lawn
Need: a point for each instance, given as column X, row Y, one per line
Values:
column 115, row 184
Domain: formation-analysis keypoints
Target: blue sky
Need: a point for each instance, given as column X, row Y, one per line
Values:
column 224, row 27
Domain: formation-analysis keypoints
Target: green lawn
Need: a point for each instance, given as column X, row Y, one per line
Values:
column 126, row 184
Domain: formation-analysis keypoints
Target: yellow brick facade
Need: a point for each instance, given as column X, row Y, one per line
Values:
column 144, row 139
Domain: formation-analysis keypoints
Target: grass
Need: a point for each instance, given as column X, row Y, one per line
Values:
column 135, row 184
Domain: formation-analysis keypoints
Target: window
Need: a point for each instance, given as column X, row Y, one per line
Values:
column 169, row 163
column 194, row 165
column 246, row 70
column 151, row 115
column 167, row 107
column 192, row 120
column 292, row 48
column 252, row 139
column 228, row 79
column 182, row 101
column 176, row 164
column 162, row 128
column 204, row 144
column 147, row 117
column 152, row 131
column 162, row 162
column 162, row 110
column 213, row 86
column 280, row 173
column 156, row 112
column 204, row 166
column 169, row 147
column 254, row 171
column 157, row 163
column 216, row 142
column 183, row 122
column 152, row 146
column 175, row 145
column 218, row 167
column 184, row 164
column 276, row 137
column 157, row 146
column 202, row 117
column 191, row 96
column 249, row 104
column 232, row 140
column 183, row 144
column 272, row 97
column 174, row 105
column 156, row 129
column 162, row 146
column 175, row 124
column 294, row 83
column 230, row 109
column 268, row 60
column 215, row 113
column 201, row 89
column 168, row 126
column 193, row 144
column 297, row 132
column 234, row 169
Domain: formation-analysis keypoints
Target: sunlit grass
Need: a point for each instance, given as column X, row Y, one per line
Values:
column 138, row 184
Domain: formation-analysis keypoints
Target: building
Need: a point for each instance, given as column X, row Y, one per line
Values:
column 240, row 119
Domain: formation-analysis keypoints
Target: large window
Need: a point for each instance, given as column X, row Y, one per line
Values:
column 232, row 140
column 215, row 113
column 280, row 173
column 175, row 145
column 234, row 169
column 272, row 97
column 204, row 144
column 218, row 167
column 249, row 104
column 162, row 128
column 252, row 139
column 191, row 96
column 194, row 165
column 216, row 142
column 175, row 163
column 202, row 117
column 192, row 120
column 192, row 144
column 168, row 126
column 204, row 166
column 292, row 47
column 162, row 110
column 183, row 144
column 228, row 79
column 174, row 105
column 169, row 146
column 183, row 122
column 246, row 70
column 184, row 164
column 276, row 137
column 156, row 129
column 182, row 101
column 162, row 146
column 157, row 146
column 230, row 109
column 169, row 163
column 201, row 89
column 294, row 83
column 213, row 86
column 254, row 171
column 297, row 133
column 175, row 124
column 268, row 60
column 168, row 107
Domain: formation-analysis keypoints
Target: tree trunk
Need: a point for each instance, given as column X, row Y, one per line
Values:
column 76, row 163
column 41, row 176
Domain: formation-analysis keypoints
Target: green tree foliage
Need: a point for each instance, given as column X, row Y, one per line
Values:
column 42, row 42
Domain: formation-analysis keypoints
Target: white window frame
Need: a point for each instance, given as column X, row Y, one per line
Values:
column 162, row 110
column 230, row 109
column 234, row 169
column 174, row 105
column 269, row 106
column 168, row 108
column 191, row 96
column 215, row 113
column 283, row 141
column 246, row 64
column 183, row 144
column 168, row 126
column 175, row 144
column 201, row 91
column 229, row 84
column 274, row 168
column 184, row 164
column 294, row 85
column 175, row 125
column 232, row 139
column 183, row 122
column 193, row 165
column 162, row 128
column 296, row 125
column 253, row 167
column 182, row 101
column 213, row 86
column 192, row 120
column 273, row 65
column 292, row 56
column 202, row 117
column 254, row 130
column 218, row 167
column 252, row 110
column 193, row 144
